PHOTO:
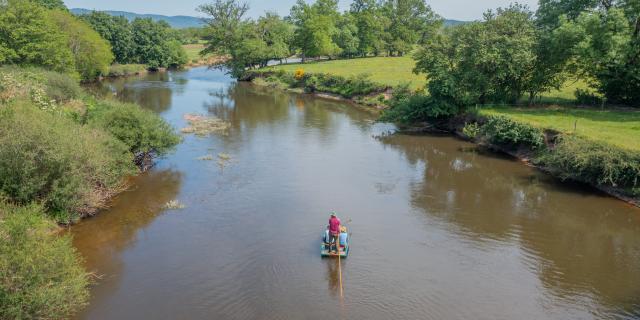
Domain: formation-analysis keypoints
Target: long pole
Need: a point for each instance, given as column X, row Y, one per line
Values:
column 339, row 268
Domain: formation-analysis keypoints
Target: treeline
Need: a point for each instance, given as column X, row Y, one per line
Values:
column 141, row 41
column 370, row 27
column 44, row 33
column 514, row 53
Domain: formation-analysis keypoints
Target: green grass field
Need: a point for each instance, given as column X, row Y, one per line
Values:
column 390, row 71
column 193, row 51
column 616, row 127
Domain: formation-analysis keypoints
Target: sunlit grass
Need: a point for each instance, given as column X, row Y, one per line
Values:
column 390, row 71
column 193, row 51
column 616, row 127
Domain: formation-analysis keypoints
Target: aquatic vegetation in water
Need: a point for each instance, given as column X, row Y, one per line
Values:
column 205, row 125
column 174, row 205
column 206, row 158
column 223, row 159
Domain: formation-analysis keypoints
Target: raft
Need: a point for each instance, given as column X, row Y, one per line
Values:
column 344, row 250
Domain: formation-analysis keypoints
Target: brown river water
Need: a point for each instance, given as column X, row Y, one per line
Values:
column 440, row 229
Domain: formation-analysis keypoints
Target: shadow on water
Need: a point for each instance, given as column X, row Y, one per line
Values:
column 102, row 239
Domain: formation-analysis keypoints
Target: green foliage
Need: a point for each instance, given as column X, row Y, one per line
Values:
column 371, row 25
column 44, row 88
column 316, row 28
column 51, row 4
column 250, row 44
column 345, row 86
column 418, row 107
column 410, row 22
column 471, row 130
column 142, row 131
column 91, row 53
column 482, row 62
column 506, row 132
column 61, row 87
column 123, row 70
column 49, row 158
column 116, row 30
column 28, row 36
column 177, row 54
column 594, row 162
column 609, row 52
column 41, row 276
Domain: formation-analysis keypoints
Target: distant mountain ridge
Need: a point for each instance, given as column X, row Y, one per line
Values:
column 181, row 22
column 178, row 22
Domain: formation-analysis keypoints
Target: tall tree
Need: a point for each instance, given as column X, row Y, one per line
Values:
column 316, row 28
column 482, row 62
column 29, row 37
column 411, row 21
column 116, row 30
column 92, row 54
column 371, row 25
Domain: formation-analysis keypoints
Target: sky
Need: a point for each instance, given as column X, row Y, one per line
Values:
column 451, row 9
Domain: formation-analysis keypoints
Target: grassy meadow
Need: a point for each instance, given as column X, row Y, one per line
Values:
column 616, row 127
column 390, row 71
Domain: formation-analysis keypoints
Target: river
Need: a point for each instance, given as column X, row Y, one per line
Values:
column 440, row 229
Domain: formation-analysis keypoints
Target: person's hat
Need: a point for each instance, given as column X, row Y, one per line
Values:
column 333, row 214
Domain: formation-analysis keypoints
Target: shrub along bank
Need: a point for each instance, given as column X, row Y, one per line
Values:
column 357, row 88
column 63, row 154
column 611, row 168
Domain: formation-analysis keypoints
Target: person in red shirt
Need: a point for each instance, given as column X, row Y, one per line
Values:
column 334, row 230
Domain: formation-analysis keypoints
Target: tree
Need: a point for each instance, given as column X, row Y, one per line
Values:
column 410, row 22
column 29, row 37
column 316, row 28
column 154, row 44
column 609, row 52
column 605, row 36
column 482, row 62
column 347, row 36
column 371, row 25
column 116, row 30
column 224, row 21
column 51, row 4
column 249, row 44
column 277, row 35
column 92, row 54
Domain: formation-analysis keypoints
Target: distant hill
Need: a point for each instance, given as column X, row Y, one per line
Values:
column 451, row 23
column 178, row 22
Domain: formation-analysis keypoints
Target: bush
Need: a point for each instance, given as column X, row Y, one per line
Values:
column 347, row 87
column 124, row 70
column 471, row 130
column 142, row 131
column 51, row 159
column 507, row 132
column 594, row 162
column 38, row 85
column 406, row 107
column 41, row 276
column 61, row 87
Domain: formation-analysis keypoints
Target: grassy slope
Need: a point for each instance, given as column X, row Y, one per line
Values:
column 616, row 127
column 388, row 71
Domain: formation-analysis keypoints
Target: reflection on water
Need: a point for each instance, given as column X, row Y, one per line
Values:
column 441, row 230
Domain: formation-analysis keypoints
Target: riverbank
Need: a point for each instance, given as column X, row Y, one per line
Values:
column 601, row 153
